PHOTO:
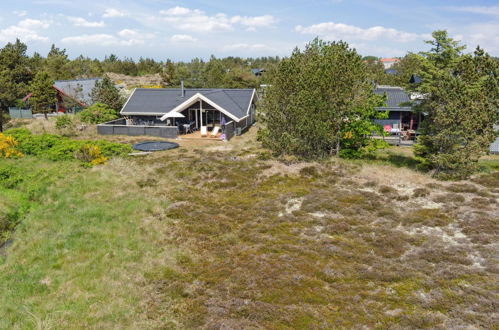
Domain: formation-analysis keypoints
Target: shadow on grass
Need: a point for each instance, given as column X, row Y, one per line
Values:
column 394, row 158
column 402, row 161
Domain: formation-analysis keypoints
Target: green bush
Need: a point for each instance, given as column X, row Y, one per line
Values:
column 64, row 121
column 98, row 113
column 57, row 147
column 9, row 177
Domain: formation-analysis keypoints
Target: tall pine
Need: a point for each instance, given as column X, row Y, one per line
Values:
column 461, row 106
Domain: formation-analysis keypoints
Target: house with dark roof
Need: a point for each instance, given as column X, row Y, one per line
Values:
column 72, row 95
column 200, row 112
column 398, row 104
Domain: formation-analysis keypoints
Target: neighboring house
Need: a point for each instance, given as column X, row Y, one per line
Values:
column 72, row 95
column 258, row 72
column 389, row 62
column 391, row 71
column 80, row 89
column 168, row 112
column 400, row 113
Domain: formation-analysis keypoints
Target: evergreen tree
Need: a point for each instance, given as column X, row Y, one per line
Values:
column 169, row 74
column 15, row 75
column 214, row 73
column 462, row 105
column 57, row 64
column 43, row 94
column 321, row 103
column 105, row 92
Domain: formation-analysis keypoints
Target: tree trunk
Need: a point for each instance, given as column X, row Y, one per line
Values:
column 1, row 120
column 46, row 116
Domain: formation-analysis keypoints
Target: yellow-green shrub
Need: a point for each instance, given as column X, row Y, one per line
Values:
column 8, row 147
column 91, row 155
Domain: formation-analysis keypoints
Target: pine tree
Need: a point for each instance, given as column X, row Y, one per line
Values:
column 15, row 75
column 214, row 73
column 105, row 92
column 43, row 94
column 57, row 64
column 462, row 105
column 320, row 103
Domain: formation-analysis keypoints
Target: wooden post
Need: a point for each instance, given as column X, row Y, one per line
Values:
column 201, row 112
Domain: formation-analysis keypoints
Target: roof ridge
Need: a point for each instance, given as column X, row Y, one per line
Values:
column 82, row 79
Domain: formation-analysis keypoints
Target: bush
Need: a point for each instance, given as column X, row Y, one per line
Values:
column 57, row 147
column 8, row 147
column 64, row 121
column 65, row 125
column 9, row 177
column 91, row 155
column 98, row 113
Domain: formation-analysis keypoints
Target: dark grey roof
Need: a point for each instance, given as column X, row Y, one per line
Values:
column 162, row 100
column 79, row 89
column 395, row 96
column 391, row 71
column 415, row 79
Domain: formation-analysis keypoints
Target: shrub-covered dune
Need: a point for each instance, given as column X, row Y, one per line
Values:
column 223, row 236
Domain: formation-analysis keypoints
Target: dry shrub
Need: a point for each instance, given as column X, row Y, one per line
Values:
column 421, row 192
column 449, row 198
column 462, row 188
column 488, row 180
column 427, row 217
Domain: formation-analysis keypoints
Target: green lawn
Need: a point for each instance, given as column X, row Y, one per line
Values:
column 212, row 237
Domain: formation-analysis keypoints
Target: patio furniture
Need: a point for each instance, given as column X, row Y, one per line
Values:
column 215, row 130
column 204, row 131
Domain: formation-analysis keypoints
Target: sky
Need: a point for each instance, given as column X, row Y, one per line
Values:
column 182, row 30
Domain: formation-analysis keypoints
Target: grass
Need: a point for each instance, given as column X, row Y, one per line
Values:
column 217, row 236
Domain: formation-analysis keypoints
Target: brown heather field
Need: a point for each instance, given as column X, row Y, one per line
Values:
column 219, row 235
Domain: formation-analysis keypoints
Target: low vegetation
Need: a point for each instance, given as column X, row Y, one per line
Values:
column 98, row 113
column 185, row 239
column 57, row 148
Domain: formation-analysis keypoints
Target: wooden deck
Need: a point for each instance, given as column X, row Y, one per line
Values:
column 197, row 136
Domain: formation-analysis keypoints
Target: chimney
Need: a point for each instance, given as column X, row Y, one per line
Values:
column 182, row 88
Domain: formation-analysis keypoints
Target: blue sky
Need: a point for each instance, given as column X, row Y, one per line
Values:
column 182, row 30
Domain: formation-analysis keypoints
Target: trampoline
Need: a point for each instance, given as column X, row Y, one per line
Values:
column 155, row 146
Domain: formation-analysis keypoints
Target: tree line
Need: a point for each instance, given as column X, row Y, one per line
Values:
column 321, row 103
column 18, row 72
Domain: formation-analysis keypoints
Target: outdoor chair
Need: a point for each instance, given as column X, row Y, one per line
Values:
column 204, row 131
column 215, row 130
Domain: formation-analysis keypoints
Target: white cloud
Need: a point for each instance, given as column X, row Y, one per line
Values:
column 126, row 37
column 483, row 34
column 25, row 30
column 196, row 20
column 34, row 24
column 339, row 31
column 244, row 46
column 256, row 21
column 130, row 34
column 88, row 39
column 113, row 12
column 182, row 38
column 176, row 11
column 20, row 13
column 483, row 10
column 79, row 21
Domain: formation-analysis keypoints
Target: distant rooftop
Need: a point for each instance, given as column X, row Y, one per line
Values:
column 79, row 89
column 395, row 96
